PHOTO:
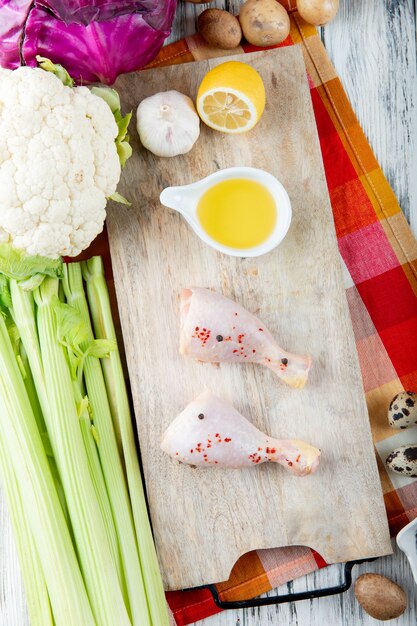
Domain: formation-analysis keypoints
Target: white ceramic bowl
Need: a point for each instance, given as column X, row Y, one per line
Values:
column 407, row 542
column 185, row 199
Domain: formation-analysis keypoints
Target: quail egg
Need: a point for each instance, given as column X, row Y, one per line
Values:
column 403, row 460
column 402, row 411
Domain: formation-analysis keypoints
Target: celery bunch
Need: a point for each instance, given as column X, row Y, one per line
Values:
column 68, row 462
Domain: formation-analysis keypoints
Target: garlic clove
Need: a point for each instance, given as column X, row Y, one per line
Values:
column 168, row 124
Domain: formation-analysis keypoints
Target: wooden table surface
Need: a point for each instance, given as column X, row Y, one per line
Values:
column 372, row 44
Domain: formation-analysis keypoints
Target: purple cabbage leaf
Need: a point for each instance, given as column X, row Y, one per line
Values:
column 94, row 40
column 13, row 16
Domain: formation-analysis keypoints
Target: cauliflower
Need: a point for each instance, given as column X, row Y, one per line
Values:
column 58, row 163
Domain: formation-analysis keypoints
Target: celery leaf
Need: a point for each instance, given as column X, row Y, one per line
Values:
column 17, row 264
column 83, row 407
column 5, row 297
column 32, row 283
column 13, row 334
column 101, row 348
column 72, row 329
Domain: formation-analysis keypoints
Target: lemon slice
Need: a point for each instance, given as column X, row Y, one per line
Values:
column 231, row 97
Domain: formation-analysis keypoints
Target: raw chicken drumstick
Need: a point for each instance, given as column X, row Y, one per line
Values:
column 210, row 432
column 216, row 329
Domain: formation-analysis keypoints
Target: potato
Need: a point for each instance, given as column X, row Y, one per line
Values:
column 264, row 22
column 317, row 12
column 219, row 28
column 380, row 597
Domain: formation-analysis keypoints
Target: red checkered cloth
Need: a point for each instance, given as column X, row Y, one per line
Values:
column 379, row 255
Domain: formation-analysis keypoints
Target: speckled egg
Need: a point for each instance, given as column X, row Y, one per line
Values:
column 403, row 460
column 402, row 411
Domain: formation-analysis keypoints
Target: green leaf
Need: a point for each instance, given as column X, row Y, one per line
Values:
column 117, row 197
column 110, row 96
column 122, row 125
column 17, row 264
column 95, row 434
column 101, row 348
column 83, row 408
column 75, row 361
column 14, row 336
column 72, row 329
column 21, row 366
column 118, row 115
column 5, row 297
column 124, row 150
column 32, row 283
column 57, row 69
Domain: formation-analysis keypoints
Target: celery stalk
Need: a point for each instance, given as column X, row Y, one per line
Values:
column 42, row 507
column 100, row 310
column 109, row 455
column 97, row 565
column 37, row 596
column 23, row 312
column 31, row 390
column 96, row 473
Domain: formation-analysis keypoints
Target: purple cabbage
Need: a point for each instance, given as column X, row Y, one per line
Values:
column 13, row 16
column 95, row 40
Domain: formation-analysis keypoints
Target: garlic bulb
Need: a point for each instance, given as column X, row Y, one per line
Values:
column 167, row 123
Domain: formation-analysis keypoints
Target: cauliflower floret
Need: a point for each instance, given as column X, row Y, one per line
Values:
column 58, row 163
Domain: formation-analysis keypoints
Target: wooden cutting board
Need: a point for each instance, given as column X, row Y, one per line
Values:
column 205, row 519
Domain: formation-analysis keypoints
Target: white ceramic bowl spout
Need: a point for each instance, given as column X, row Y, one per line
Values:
column 407, row 542
column 185, row 200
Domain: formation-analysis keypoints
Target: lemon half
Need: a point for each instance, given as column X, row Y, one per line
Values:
column 231, row 97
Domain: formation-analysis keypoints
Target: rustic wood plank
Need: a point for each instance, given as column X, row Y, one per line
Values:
column 299, row 294
column 373, row 46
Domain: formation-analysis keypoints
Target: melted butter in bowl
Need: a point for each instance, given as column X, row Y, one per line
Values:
column 240, row 211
